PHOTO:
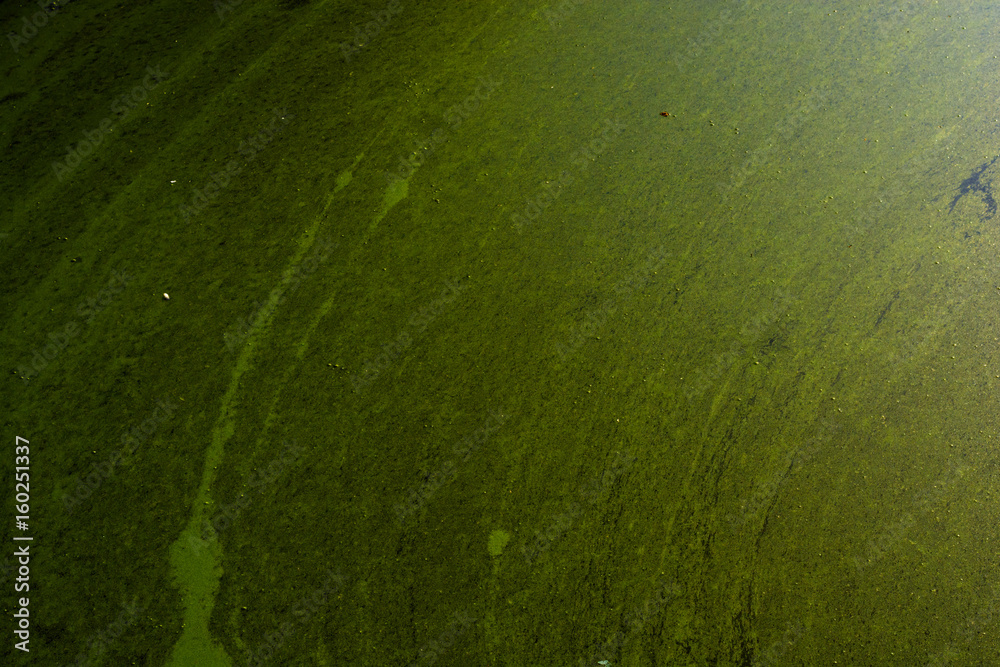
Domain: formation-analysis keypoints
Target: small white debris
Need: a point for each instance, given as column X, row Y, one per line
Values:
column 166, row 297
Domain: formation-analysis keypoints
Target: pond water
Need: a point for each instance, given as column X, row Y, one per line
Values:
column 572, row 334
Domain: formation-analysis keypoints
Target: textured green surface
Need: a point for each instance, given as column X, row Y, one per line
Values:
column 474, row 358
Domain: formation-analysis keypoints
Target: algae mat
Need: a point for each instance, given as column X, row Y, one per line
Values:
column 545, row 335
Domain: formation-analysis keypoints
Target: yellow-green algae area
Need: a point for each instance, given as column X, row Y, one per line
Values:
column 581, row 383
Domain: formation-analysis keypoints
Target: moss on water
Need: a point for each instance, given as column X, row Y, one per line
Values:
column 476, row 358
column 197, row 573
column 497, row 541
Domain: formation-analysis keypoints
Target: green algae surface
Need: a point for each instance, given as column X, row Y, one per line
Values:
column 473, row 357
